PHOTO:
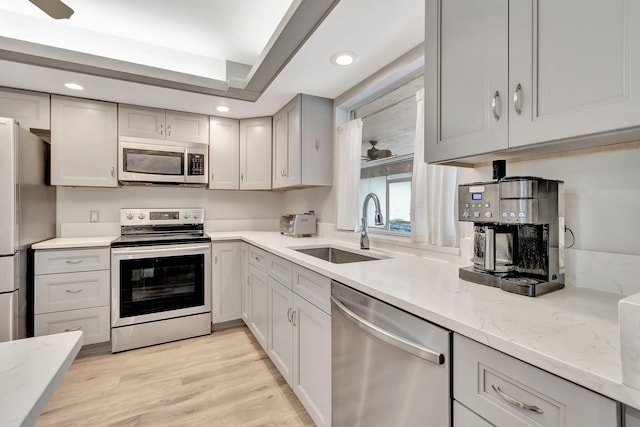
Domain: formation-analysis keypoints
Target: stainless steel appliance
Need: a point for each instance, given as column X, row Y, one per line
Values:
column 298, row 225
column 518, row 233
column 150, row 161
column 160, row 278
column 27, row 215
column 389, row 368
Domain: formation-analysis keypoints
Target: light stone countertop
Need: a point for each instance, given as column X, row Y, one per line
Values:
column 572, row 333
column 75, row 242
column 30, row 371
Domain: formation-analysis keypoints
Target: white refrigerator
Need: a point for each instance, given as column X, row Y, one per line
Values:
column 27, row 216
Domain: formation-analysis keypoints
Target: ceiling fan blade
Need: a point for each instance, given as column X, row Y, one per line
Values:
column 54, row 8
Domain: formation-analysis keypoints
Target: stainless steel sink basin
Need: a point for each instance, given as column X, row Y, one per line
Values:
column 335, row 255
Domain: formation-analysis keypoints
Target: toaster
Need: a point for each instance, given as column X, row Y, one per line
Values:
column 298, row 225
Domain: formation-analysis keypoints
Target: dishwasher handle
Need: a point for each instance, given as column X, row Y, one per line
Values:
column 390, row 338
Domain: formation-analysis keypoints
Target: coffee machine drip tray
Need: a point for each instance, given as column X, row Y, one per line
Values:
column 521, row 285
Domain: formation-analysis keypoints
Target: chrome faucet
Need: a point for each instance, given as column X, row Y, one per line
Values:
column 364, row 233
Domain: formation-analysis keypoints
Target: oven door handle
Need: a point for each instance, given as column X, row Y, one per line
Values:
column 156, row 250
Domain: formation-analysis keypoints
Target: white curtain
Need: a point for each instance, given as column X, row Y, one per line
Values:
column 348, row 169
column 433, row 193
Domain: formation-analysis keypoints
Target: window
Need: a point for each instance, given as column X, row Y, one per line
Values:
column 388, row 138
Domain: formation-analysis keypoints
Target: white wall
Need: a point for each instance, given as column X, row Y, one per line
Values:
column 74, row 204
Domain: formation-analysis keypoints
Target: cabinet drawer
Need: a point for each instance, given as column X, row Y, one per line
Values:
column 281, row 270
column 463, row 417
column 93, row 322
column 70, row 291
column 259, row 258
column 313, row 287
column 491, row 383
column 68, row 261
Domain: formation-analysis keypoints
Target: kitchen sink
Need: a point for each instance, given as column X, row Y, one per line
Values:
column 337, row 256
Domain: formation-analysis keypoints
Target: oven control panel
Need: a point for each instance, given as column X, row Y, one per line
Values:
column 171, row 216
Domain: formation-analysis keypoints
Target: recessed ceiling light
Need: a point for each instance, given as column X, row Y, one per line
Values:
column 223, row 109
column 343, row 58
column 74, row 86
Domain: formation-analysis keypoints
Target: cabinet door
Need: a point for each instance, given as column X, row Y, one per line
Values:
column 84, row 142
column 141, row 122
column 224, row 153
column 312, row 360
column 577, row 63
column 466, row 63
column 280, row 145
column 293, row 165
column 30, row 109
column 280, row 328
column 259, row 306
column 255, row 154
column 226, row 281
column 246, row 285
column 187, row 127
column 316, row 128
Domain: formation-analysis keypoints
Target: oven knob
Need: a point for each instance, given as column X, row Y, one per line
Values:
column 129, row 215
column 141, row 215
column 186, row 215
column 196, row 215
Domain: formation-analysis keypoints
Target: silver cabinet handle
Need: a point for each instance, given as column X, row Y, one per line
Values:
column 494, row 105
column 242, row 176
column 79, row 328
column 317, row 144
column 289, row 316
column 73, row 291
column 293, row 317
column 514, row 402
column 389, row 338
column 212, row 175
column 161, row 129
column 215, row 259
column 73, row 261
column 249, row 280
column 113, row 172
column 516, row 99
column 169, row 130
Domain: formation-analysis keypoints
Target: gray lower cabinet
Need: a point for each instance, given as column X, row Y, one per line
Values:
column 505, row 391
column 72, row 292
column 226, row 272
column 287, row 309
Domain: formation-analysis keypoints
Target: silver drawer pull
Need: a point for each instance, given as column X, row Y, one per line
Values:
column 511, row 401
column 79, row 328
column 516, row 99
column 73, row 261
column 73, row 291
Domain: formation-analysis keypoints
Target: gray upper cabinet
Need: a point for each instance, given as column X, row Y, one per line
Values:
column 513, row 74
column 84, row 140
column 303, row 143
column 31, row 109
column 224, row 153
column 154, row 123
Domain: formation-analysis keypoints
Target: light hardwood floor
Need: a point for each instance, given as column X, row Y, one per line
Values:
column 223, row 379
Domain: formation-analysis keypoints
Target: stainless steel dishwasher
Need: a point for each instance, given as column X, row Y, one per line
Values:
column 389, row 368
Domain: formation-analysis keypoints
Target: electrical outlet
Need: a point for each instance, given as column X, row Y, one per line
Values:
column 94, row 216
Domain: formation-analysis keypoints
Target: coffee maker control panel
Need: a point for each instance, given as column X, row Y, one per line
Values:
column 479, row 202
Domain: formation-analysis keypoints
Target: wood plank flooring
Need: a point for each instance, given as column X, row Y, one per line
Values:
column 223, row 379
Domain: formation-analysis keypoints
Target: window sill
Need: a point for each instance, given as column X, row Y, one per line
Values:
column 401, row 243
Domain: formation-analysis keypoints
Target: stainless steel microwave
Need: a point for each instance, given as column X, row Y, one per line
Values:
column 162, row 162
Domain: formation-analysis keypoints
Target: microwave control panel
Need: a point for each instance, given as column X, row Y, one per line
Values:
column 196, row 164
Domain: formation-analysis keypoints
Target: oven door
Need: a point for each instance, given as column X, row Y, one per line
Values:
column 150, row 283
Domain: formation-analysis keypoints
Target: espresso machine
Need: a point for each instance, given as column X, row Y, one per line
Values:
column 518, row 225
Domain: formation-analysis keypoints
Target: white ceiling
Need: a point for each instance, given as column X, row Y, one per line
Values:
column 378, row 31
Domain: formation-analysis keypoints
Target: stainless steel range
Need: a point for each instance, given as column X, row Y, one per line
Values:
column 160, row 278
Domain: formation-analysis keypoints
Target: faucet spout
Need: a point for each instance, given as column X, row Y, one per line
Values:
column 364, row 232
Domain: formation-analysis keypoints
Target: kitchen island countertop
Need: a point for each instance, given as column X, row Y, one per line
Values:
column 30, row 371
